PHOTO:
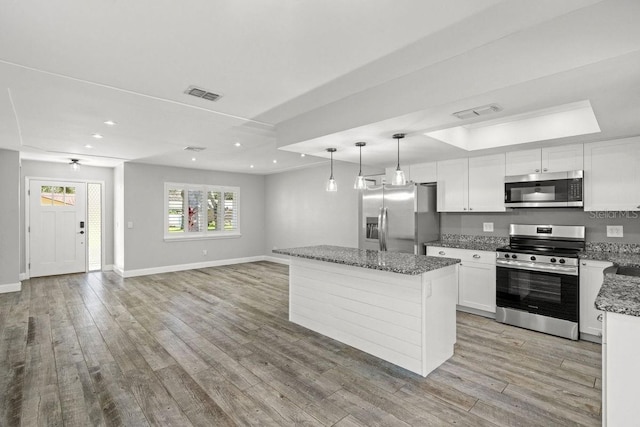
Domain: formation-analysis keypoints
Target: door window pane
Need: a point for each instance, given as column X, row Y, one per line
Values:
column 46, row 196
column 70, row 196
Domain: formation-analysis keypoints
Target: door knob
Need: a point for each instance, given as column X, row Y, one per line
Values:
column 82, row 232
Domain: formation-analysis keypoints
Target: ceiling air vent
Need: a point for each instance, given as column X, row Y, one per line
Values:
column 196, row 149
column 201, row 93
column 478, row 111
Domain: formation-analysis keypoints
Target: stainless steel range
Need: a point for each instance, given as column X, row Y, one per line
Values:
column 537, row 280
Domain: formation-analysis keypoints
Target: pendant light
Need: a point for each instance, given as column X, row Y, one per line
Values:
column 398, row 177
column 360, row 183
column 75, row 164
column 331, row 184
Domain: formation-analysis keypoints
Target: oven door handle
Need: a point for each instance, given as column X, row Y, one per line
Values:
column 568, row 271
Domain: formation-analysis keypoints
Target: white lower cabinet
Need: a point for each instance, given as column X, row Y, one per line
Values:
column 620, row 370
column 476, row 278
column 591, row 277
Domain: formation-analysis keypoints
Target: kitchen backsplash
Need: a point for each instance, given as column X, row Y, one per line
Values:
column 471, row 224
column 474, row 238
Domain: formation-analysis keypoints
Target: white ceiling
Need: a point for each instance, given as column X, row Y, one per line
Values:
column 301, row 76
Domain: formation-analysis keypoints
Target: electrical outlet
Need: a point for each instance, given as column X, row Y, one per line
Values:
column 615, row 231
column 487, row 226
column 204, row 252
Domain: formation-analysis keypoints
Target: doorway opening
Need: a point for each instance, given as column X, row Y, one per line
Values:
column 94, row 226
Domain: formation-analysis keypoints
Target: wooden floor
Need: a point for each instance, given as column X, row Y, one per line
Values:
column 213, row 347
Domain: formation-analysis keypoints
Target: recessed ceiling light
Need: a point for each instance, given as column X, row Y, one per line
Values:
column 97, row 136
column 110, row 123
column 88, row 146
column 193, row 159
column 237, row 144
column 251, row 166
column 275, row 161
column 302, row 155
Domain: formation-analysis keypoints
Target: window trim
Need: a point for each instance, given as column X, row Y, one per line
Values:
column 205, row 234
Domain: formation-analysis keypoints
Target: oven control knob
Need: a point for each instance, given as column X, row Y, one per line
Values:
column 514, row 256
column 552, row 260
column 561, row 261
column 532, row 258
column 506, row 255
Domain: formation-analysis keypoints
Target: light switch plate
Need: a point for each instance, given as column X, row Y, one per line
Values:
column 130, row 224
column 615, row 231
column 487, row 226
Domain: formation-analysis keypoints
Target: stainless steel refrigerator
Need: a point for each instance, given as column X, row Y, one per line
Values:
column 399, row 218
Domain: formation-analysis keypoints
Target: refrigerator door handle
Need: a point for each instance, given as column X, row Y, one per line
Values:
column 385, row 229
column 380, row 230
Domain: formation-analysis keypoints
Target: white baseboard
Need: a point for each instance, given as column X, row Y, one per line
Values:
column 182, row 267
column 108, row 267
column 10, row 287
column 23, row 276
column 119, row 271
column 276, row 259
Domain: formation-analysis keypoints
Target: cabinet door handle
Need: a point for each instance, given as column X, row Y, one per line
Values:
column 464, row 209
column 470, row 209
column 442, row 253
column 584, row 263
column 599, row 317
column 544, row 170
column 476, row 256
column 537, row 170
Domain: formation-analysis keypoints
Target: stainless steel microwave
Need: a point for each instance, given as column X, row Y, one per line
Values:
column 544, row 190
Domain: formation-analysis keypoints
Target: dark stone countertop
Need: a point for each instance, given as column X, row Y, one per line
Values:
column 394, row 262
column 620, row 294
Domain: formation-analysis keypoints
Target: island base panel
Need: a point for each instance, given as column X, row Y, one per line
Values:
column 407, row 320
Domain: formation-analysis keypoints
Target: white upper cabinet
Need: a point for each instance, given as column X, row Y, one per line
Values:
column 523, row 162
column 562, row 158
column 486, row 183
column 453, row 185
column 424, row 172
column 612, row 175
column 545, row 160
column 475, row 184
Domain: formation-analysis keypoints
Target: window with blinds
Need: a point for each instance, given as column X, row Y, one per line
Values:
column 201, row 211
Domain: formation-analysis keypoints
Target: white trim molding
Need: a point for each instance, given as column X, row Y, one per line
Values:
column 23, row 276
column 10, row 287
column 108, row 267
column 182, row 267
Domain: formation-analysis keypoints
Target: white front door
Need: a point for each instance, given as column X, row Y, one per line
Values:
column 57, row 227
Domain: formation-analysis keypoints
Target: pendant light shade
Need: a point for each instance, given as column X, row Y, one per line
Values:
column 360, row 183
column 331, row 184
column 398, row 176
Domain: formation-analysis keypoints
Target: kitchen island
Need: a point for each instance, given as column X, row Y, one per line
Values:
column 398, row 307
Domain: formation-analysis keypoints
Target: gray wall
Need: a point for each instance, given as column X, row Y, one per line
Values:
column 144, row 245
column 10, row 246
column 62, row 171
column 595, row 222
column 300, row 212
